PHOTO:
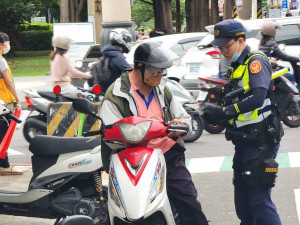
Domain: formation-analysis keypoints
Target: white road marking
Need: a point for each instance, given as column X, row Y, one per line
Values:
column 203, row 165
column 25, row 85
column 294, row 158
column 14, row 152
column 297, row 199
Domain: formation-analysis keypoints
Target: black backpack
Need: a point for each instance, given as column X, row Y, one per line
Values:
column 101, row 72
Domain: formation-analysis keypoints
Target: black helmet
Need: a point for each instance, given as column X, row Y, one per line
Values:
column 121, row 37
column 155, row 55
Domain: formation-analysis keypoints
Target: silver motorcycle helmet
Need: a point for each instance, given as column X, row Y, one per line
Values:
column 121, row 37
column 155, row 55
column 268, row 28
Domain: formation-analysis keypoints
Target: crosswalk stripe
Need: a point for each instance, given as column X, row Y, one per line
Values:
column 297, row 199
column 14, row 152
column 203, row 165
column 294, row 159
column 224, row 163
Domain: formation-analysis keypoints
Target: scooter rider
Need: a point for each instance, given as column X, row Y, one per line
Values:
column 120, row 42
column 141, row 93
column 269, row 47
column 253, row 126
column 62, row 69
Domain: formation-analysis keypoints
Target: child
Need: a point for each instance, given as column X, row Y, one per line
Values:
column 9, row 95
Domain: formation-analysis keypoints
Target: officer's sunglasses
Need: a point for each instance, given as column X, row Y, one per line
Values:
column 225, row 49
column 156, row 73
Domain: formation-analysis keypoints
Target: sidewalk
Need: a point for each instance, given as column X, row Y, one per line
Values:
column 40, row 83
column 16, row 182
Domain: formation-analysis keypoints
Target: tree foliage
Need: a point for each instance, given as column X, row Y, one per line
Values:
column 13, row 13
column 142, row 12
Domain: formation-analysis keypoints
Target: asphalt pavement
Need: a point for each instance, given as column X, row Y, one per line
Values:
column 209, row 159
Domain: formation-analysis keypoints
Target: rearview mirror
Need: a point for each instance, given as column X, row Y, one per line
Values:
column 83, row 106
column 78, row 64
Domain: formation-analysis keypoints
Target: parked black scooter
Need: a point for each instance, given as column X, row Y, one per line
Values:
column 66, row 180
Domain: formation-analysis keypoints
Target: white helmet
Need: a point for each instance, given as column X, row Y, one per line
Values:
column 121, row 37
column 61, row 41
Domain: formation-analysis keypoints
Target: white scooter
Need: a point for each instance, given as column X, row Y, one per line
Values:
column 66, row 180
column 137, row 175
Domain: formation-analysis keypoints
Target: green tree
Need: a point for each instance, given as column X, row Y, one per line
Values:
column 142, row 12
column 13, row 13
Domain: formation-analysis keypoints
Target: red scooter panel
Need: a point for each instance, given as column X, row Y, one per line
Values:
column 134, row 161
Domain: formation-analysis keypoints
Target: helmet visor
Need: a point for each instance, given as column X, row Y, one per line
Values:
column 161, row 57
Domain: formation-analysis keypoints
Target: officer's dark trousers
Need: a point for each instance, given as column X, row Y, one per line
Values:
column 3, row 128
column 181, row 190
column 253, row 203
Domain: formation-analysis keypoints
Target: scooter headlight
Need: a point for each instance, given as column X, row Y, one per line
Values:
column 134, row 133
column 157, row 182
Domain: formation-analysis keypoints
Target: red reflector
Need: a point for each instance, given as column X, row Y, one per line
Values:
column 57, row 89
column 97, row 89
column 214, row 54
column 28, row 101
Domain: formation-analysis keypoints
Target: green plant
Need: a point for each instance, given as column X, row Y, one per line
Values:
column 37, row 26
column 36, row 40
column 30, row 63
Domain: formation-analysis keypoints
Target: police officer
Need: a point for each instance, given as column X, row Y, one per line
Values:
column 253, row 126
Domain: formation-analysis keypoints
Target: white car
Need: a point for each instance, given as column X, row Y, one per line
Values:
column 195, row 61
column 178, row 43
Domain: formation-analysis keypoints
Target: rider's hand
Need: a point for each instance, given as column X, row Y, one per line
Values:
column 175, row 134
column 90, row 75
column 273, row 62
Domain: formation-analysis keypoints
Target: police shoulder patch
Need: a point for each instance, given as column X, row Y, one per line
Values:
column 255, row 66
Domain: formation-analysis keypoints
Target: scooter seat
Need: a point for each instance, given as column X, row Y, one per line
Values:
column 47, row 94
column 50, row 145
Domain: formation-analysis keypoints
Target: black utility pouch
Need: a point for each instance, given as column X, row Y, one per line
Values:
column 275, row 129
column 270, row 172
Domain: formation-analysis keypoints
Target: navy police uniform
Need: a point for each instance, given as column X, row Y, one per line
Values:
column 250, row 115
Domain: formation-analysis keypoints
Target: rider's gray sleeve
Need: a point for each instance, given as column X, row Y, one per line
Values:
column 110, row 113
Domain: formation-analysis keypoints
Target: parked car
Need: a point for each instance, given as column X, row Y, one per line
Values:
column 178, row 43
column 91, row 55
column 196, row 60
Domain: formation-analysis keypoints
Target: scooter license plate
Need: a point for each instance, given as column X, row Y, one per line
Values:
column 194, row 69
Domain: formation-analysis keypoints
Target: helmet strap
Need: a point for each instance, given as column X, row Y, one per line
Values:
column 142, row 69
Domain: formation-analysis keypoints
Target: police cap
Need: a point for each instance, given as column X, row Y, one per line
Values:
column 225, row 30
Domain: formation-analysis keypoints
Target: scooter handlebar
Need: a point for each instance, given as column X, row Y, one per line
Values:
column 10, row 116
column 91, row 133
column 178, row 128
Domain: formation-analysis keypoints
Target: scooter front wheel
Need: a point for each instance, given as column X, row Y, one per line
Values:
column 197, row 126
column 290, row 116
column 213, row 129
